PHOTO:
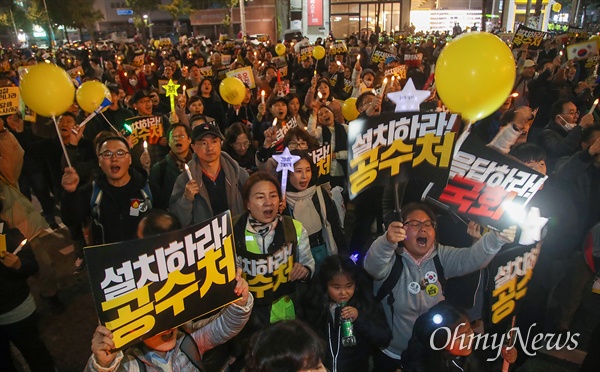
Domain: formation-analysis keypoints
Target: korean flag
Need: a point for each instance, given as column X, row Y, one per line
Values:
column 581, row 51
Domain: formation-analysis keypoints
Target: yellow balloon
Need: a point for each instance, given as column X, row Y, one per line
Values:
column 280, row 49
column 232, row 90
column 556, row 7
column 47, row 89
column 475, row 74
column 349, row 109
column 319, row 52
column 91, row 94
column 595, row 39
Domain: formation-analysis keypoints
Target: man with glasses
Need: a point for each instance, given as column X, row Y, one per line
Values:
column 562, row 136
column 165, row 172
column 116, row 201
column 216, row 184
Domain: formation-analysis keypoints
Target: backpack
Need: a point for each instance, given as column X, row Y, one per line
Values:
column 390, row 282
column 188, row 347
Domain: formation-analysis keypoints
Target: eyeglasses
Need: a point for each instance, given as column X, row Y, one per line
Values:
column 109, row 154
column 144, row 101
column 244, row 144
column 295, row 144
column 417, row 225
column 179, row 136
column 572, row 112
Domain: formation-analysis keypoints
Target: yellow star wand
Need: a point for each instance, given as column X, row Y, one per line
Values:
column 171, row 92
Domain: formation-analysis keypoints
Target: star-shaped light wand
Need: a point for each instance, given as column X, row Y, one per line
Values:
column 285, row 163
column 171, row 92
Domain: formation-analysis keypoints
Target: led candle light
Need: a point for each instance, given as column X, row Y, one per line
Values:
column 383, row 86
column 20, row 246
column 187, row 170
column 262, row 96
column 594, row 106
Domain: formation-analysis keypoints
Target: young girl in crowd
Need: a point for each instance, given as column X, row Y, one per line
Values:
column 311, row 204
column 341, row 291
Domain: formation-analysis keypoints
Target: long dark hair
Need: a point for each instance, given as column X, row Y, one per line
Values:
column 315, row 173
column 315, row 303
column 287, row 346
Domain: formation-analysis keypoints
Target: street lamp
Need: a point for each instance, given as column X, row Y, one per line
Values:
column 148, row 24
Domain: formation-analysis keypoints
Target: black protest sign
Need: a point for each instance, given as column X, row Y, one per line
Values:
column 145, row 286
column 321, row 158
column 339, row 47
column 380, row 54
column 577, row 33
column 398, row 71
column 305, row 52
column 530, row 36
column 144, row 128
column 485, row 184
column 399, row 145
column 509, row 274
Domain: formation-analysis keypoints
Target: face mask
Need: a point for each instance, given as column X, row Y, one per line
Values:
column 133, row 82
column 568, row 126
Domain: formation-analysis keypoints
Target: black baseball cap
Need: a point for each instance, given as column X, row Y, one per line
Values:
column 139, row 95
column 203, row 129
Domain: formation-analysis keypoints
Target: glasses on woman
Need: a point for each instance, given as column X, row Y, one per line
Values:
column 292, row 145
column 241, row 145
column 417, row 225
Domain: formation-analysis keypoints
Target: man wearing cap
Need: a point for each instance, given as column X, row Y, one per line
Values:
column 142, row 103
column 521, row 83
column 216, row 184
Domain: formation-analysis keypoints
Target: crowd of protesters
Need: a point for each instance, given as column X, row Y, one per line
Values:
column 547, row 124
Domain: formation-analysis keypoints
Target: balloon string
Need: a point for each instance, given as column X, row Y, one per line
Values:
column 115, row 129
column 61, row 142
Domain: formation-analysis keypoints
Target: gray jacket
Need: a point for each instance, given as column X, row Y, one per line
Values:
column 207, row 334
column 191, row 212
column 407, row 307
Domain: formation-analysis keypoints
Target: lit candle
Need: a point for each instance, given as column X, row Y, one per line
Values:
column 275, row 122
column 184, row 88
column 262, row 96
column 145, row 146
column 320, row 96
column 20, row 246
column 383, row 86
column 514, row 95
column 187, row 170
column 594, row 106
column 125, row 74
column 358, row 58
column 338, row 63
